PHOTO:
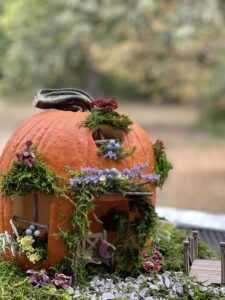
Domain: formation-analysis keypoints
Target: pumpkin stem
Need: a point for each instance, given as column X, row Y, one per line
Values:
column 63, row 99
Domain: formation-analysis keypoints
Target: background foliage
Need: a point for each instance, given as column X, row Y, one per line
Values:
column 158, row 50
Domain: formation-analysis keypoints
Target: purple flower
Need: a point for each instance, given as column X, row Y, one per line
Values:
column 140, row 175
column 152, row 177
column 143, row 166
column 38, row 278
column 86, row 170
column 100, row 172
column 87, row 179
column 126, row 172
column 19, row 156
column 145, row 254
column 135, row 169
column 26, row 156
column 111, row 155
column 94, row 179
column 62, row 280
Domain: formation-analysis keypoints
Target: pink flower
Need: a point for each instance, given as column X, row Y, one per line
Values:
column 105, row 105
column 160, row 144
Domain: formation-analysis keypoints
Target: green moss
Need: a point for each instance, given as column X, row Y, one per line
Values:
column 112, row 118
column 14, row 286
column 20, row 180
column 131, row 236
column 162, row 165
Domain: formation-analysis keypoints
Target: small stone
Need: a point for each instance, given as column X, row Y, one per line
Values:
column 107, row 296
column 153, row 287
column 76, row 294
column 141, row 278
column 160, row 279
column 167, row 282
column 143, row 293
column 178, row 288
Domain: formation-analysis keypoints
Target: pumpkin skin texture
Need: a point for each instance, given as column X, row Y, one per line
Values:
column 63, row 142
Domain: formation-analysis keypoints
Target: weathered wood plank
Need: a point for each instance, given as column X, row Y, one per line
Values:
column 206, row 270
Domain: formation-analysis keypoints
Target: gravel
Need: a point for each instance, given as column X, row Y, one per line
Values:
column 169, row 284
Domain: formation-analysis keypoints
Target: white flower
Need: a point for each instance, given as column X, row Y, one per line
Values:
column 122, row 177
column 102, row 178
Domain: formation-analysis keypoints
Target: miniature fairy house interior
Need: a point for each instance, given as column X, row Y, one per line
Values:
column 68, row 171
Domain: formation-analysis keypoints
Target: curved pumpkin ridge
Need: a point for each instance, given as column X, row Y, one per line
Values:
column 146, row 144
column 40, row 136
column 150, row 155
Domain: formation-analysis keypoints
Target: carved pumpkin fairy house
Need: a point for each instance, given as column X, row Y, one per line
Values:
column 78, row 168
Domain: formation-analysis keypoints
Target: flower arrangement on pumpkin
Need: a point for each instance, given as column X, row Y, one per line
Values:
column 115, row 150
column 103, row 112
column 29, row 173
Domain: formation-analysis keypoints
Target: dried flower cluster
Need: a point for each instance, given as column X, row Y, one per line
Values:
column 153, row 263
column 39, row 278
column 105, row 104
column 26, row 157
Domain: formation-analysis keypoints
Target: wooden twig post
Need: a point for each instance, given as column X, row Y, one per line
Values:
column 222, row 249
column 195, row 243
column 186, row 257
column 191, row 248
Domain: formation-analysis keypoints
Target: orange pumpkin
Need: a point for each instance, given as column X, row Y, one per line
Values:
column 63, row 142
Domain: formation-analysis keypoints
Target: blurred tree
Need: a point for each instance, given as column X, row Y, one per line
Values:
column 163, row 50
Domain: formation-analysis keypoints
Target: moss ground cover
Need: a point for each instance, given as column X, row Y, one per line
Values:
column 14, row 286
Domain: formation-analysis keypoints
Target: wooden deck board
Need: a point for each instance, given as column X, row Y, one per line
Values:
column 206, row 270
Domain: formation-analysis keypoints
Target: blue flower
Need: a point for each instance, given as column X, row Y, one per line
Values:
column 126, row 172
column 112, row 142
column 94, row 171
column 78, row 180
column 110, row 177
column 94, row 179
column 143, row 166
column 86, row 170
column 100, row 172
column 152, row 177
column 140, row 175
column 109, row 147
column 87, row 179
column 135, row 169
column 114, row 171
column 117, row 146
column 111, row 155
column 106, row 171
